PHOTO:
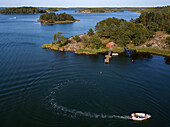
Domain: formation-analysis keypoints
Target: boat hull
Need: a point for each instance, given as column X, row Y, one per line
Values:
column 140, row 116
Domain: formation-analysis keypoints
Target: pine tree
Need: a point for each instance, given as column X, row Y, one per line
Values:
column 90, row 32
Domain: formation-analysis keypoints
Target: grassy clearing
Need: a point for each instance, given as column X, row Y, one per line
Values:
column 151, row 50
column 53, row 47
column 91, row 51
column 47, row 46
column 117, row 49
column 155, row 51
column 87, row 52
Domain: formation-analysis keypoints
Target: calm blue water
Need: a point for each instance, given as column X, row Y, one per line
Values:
column 44, row 88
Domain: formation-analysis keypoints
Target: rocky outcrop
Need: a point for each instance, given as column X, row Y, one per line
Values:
column 158, row 41
column 73, row 46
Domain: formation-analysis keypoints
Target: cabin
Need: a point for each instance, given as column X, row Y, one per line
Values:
column 110, row 45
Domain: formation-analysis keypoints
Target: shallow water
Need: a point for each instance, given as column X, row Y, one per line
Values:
column 44, row 88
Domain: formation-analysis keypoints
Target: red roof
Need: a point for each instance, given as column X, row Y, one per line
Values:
column 111, row 43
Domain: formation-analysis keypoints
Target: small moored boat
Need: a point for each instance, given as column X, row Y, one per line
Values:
column 115, row 54
column 140, row 116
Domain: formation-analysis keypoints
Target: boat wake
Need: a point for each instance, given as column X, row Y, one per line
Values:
column 73, row 113
column 13, row 18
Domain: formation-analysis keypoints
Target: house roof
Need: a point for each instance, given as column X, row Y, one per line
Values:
column 111, row 43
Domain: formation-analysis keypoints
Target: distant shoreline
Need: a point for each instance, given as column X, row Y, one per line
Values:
column 97, row 10
column 22, row 10
column 12, row 10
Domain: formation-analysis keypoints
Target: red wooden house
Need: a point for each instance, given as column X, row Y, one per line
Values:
column 110, row 44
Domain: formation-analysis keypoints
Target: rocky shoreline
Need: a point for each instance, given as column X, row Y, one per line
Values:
column 56, row 22
column 78, row 47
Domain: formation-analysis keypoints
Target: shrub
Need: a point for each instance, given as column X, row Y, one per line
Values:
column 168, row 38
column 76, row 38
column 148, row 45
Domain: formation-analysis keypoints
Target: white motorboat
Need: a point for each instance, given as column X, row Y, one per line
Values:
column 115, row 54
column 140, row 116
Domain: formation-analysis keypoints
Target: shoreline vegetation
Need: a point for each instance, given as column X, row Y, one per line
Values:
column 79, row 47
column 97, row 10
column 52, row 18
column 150, row 33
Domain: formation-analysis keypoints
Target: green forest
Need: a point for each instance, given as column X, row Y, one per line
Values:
column 155, row 19
column 136, row 31
column 22, row 10
column 52, row 17
column 122, row 32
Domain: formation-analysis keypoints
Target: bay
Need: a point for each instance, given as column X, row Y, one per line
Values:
column 44, row 88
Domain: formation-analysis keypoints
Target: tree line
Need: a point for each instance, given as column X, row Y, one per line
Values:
column 22, row 10
column 155, row 19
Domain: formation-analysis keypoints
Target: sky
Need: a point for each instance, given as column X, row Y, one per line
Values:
column 84, row 3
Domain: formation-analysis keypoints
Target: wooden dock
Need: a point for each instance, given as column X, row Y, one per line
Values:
column 108, row 56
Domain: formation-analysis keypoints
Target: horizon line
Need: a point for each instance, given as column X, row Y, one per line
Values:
column 86, row 6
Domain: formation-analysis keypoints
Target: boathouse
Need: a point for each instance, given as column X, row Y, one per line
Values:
column 110, row 45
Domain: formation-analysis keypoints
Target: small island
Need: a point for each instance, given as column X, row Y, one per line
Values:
column 141, row 34
column 52, row 9
column 22, row 10
column 97, row 10
column 52, row 18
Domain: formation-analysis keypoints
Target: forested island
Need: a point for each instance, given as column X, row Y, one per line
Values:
column 52, row 18
column 28, row 10
column 22, row 10
column 97, row 10
column 148, row 33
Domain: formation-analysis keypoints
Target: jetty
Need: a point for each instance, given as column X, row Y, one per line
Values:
column 108, row 56
column 109, row 45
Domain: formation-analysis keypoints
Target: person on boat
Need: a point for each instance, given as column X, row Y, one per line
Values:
column 136, row 116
